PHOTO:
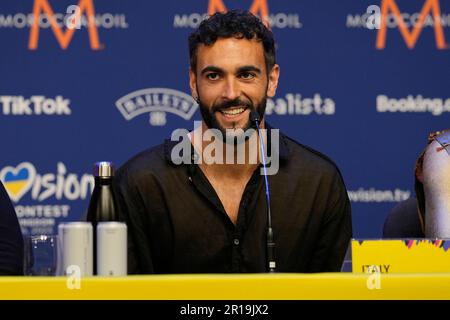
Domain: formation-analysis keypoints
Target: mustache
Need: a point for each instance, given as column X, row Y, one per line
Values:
column 231, row 103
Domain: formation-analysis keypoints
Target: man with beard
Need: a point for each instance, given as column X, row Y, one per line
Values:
column 210, row 217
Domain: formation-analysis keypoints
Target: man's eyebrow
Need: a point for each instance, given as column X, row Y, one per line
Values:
column 239, row 70
column 211, row 69
column 248, row 68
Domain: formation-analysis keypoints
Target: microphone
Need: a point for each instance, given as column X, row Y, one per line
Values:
column 271, row 264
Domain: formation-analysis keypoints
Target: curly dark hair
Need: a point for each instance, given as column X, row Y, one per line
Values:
column 235, row 23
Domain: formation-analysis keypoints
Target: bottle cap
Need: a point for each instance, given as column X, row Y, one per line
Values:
column 104, row 169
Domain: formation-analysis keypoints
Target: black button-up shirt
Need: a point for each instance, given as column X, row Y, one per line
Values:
column 177, row 223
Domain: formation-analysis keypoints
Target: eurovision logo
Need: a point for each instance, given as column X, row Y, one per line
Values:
column 157, row 102
column 21, row 179
column 49, row 195
column 18, row 180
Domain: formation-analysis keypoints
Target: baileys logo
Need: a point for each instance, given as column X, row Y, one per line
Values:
column 157, row 102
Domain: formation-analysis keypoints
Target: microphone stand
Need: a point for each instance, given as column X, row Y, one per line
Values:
column 271, row 264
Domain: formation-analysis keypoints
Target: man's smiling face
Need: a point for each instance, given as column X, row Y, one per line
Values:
column 231, row 80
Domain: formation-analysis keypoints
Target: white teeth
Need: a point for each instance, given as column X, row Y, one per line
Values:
column 233, row 111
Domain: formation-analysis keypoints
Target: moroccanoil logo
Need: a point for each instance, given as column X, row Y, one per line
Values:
column 44, row 17
column 62, row 37
column 410, row 25
column 260, row 8
column 411, row 37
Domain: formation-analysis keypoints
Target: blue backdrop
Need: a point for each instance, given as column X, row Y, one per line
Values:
column 367, row 97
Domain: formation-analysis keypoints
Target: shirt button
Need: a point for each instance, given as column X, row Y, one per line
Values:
column 236, row 242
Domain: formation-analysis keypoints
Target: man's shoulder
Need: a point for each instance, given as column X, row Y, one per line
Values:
column 148, row 161
column 306, row 156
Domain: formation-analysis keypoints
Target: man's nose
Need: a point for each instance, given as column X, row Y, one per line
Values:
column 231, row 90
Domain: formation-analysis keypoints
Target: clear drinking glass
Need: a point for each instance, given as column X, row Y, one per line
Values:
column 40, row 255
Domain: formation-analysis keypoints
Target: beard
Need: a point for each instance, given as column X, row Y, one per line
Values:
column 210, row 119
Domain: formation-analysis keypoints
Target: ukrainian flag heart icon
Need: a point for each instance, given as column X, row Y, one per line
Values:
column 18, row 180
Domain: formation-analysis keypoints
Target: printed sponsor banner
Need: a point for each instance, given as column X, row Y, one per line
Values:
column 41, row 198
column 157, row 102
column 400, row 256
column 389, row 15
column 260, row 8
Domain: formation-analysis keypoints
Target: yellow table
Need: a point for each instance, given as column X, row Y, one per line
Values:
column 323, row 286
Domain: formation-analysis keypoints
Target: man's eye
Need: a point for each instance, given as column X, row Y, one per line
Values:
column 212, row 76
column 246, row 75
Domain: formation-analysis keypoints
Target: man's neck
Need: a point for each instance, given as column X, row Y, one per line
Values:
column 229, row 164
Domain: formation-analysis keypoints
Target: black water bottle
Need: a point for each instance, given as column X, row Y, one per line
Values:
column 102, row 206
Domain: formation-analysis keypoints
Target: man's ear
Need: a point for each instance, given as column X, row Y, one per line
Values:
column 274, row 74
column 193, row 83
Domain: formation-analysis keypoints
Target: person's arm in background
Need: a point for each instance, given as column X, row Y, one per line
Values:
column 11, row 240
